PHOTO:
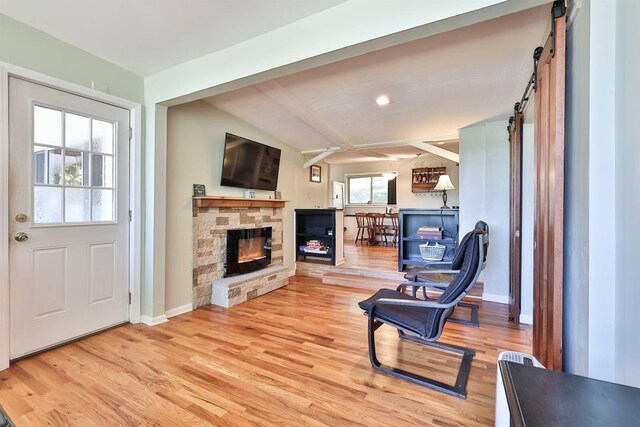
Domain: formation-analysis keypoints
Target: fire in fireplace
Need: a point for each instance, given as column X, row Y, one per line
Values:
column 248, row 250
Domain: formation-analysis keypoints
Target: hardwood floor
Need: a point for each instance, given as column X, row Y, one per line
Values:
column 374, row 257
column 296, row 356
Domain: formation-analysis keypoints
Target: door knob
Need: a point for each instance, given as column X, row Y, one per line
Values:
column 21, row 237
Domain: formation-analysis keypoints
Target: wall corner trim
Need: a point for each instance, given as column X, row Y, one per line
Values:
column 153, row 321
column 179, row 310
column 527, row 319
column 502, row 299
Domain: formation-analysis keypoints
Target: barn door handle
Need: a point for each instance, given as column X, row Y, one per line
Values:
column 21, row 237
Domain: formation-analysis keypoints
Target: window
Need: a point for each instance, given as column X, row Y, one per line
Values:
column 371, row 189
column 73, row 160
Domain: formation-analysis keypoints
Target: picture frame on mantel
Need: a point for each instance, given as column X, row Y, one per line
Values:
column 425, row 179
column 315, row 173
column 199, row 190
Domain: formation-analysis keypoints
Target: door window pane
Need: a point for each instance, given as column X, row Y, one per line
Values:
column 76, row 205
column 102, row 137
column 102, row 170
column 76, row 168
column 47, row 203
column 54, row 166
column 40, row 165
column 360, row 190
column 47, row 126
column 76, row 131
column 102, row 205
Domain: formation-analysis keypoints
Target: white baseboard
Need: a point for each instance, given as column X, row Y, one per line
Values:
column 153, row 321
column 292, row 272
column 179, row 310
column 527, row 319
column 502, row 299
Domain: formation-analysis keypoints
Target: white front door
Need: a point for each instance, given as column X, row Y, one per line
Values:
column 68, row 216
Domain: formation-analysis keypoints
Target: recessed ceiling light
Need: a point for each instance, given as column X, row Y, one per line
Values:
column 441, row 143
column 383, row 100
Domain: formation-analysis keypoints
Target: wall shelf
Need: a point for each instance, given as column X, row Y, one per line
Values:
column 409, row 245
column 316, row 224
column 237, row 202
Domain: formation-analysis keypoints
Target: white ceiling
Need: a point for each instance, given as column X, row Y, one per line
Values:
column 392, row 153
column 148, row 36
column 438, row 85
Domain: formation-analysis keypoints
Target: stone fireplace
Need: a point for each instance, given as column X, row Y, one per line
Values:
column 255, row 227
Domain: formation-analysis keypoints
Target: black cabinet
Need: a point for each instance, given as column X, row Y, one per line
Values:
column 411, row 220
column 324, row 226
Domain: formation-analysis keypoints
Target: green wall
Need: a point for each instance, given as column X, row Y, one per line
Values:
column 29, row 48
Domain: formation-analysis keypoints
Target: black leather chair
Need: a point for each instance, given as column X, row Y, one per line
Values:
column 422, row 320
column 430, row 278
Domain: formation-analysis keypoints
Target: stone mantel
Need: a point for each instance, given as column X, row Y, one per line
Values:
column 236, row 202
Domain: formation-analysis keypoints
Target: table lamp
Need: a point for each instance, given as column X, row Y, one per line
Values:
column 444, row 184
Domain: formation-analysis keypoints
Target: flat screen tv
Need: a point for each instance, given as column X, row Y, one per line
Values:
column 249, row 164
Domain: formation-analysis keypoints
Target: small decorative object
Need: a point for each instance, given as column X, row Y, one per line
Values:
column 249, row 194
column 444, row 184
column 315, row 172
column 277, row 195
column 329, row 231
column 432, row 253
column 198, row 190
column 425, row 179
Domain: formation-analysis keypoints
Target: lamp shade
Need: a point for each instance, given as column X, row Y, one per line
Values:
column 389, row 175
column 444, row 183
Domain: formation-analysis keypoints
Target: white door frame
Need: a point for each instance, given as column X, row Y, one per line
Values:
column 135, row 201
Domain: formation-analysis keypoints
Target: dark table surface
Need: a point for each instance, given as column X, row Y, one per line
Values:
column 540, row 397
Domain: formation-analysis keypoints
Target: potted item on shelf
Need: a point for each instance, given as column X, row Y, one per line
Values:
column 432, row 253
column 315, row 247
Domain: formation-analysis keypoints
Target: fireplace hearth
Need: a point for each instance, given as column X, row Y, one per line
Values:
column 248, row 250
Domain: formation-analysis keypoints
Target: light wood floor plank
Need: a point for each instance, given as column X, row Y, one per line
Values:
column 294, row 357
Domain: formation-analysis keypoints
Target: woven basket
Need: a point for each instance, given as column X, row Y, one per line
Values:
column 432, row 253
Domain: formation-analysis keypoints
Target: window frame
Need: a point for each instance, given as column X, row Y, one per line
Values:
column 347, row 178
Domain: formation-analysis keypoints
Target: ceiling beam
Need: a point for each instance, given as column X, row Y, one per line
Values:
column 287, row 100
column 320, row 156
column 449, row 155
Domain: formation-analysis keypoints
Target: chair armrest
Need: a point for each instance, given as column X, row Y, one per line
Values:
column 436, row 286
column 423, row 272
column 411, row 303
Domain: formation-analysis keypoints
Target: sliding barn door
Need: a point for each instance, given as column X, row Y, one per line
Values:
column 515, row 217
column 549, row 196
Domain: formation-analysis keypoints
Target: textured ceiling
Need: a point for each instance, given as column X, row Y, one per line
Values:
column 437, row 85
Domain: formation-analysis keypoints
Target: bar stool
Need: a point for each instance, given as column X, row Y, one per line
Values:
column 361, row 223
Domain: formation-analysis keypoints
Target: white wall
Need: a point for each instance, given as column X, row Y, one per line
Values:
column 484, row 195
column 627, row 369
column 526, row 233
column 576, row 220
column 603, row 181
column 195, row 146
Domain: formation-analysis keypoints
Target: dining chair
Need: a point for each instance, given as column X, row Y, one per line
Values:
column 394, row 227
column 375, row 227
column 361, row 223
